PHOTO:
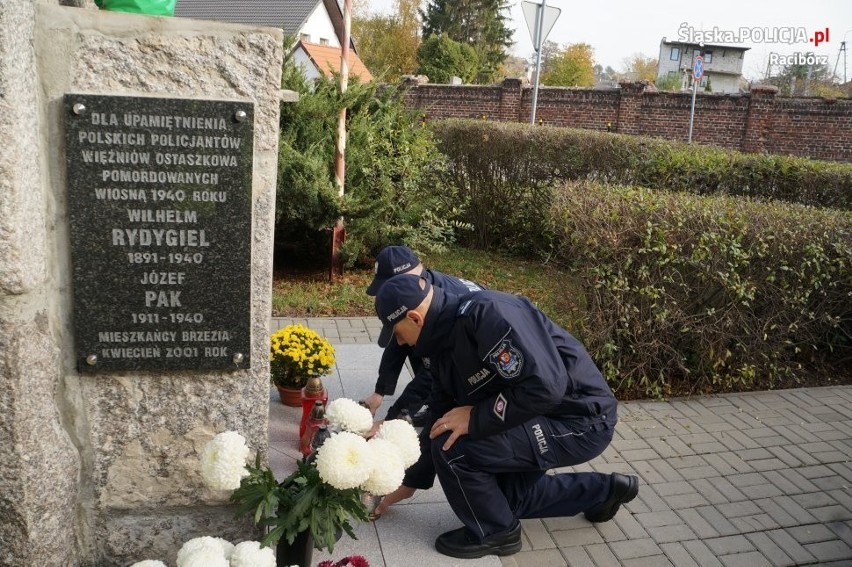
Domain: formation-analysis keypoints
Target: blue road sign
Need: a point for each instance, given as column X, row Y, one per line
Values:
column 698, row 67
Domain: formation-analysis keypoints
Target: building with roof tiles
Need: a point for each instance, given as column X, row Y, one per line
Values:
column 315, row 25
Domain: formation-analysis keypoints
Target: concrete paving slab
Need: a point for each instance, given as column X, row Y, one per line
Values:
column 407, row 535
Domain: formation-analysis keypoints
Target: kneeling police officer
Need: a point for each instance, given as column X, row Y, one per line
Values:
column 514, row 395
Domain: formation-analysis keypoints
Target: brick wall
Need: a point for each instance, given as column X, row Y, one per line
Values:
column 758, row 121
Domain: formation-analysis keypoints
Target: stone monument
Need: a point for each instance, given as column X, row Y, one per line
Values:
column 137, row 192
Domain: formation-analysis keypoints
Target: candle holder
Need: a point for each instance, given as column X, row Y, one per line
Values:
column 312, row 391
column 315, row 420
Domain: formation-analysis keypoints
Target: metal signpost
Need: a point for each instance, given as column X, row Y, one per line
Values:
column 697, row 73
column 540, row 19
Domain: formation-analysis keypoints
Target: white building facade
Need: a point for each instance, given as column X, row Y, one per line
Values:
column 723, row 65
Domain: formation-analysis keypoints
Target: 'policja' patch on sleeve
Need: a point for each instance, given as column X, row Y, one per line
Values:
column 507, row 360
column 500, row 406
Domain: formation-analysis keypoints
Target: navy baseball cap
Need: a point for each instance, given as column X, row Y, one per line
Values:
column 397, row 297
column 392, row 261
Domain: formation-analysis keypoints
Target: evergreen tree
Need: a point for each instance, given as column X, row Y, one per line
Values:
column 482, row 24
column 442, row 58
column 395, row 191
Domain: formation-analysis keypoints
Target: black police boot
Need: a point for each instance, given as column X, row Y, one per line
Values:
column 420, row 418
column 460, row 543
column 622, row 489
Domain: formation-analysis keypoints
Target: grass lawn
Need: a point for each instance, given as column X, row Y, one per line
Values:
column 310, row 294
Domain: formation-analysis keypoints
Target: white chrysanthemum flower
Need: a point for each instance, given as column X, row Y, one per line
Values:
column 149, row 563
column 388, row 470
column 343, row 461
column 250, row 554
column 404, row 436
column 206, row 557
column 217, row 545
column 348, row 415
column 223, row 461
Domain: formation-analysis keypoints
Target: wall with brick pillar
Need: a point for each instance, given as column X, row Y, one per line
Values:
column 819, row 128
column 758, row 117
column 758, row 121
column 511, row 100
column 630, row 108
column 719, row 120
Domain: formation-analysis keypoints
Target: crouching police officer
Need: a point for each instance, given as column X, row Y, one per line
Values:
column 390, row 262
column 516, row 395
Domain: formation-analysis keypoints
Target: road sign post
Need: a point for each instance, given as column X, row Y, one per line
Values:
column 697, row 73
column 540, row 19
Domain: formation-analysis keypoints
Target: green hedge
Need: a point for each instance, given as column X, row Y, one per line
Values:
column 505, row 169
column 710, row 292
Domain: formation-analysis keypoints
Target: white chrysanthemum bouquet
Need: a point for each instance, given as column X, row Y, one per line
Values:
column 216, row 552
column 324, row 493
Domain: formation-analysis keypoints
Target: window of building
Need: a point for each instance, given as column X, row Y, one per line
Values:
column 323, row 41
column 703, row 82
column 708, row 56
column 675, row 56
column 305, row 37
column 695, row 53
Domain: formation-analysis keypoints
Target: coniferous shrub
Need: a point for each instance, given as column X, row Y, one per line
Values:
column 394, row 191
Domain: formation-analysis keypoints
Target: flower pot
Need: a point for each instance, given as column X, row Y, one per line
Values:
column 290, row 396
column 299, row 553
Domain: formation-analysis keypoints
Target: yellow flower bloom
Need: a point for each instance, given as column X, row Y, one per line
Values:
column 297, row 351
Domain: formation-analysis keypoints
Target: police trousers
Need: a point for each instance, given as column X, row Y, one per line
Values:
column 493, row 482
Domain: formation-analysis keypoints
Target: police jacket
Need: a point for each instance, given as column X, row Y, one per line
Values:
column 393, row 357
column 498, row 353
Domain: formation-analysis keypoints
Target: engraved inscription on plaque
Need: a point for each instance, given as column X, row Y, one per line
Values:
column 160, row 208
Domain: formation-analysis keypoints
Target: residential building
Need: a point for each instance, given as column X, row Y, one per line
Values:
column 316, row 27
column 723, row 65
column 324, row 59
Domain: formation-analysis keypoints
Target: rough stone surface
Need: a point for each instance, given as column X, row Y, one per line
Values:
column 38, row 463
column 237, row 65
column 22, row 229
column 105, row 467
column 134, row 537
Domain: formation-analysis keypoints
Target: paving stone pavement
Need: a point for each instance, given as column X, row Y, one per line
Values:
column 753, row 479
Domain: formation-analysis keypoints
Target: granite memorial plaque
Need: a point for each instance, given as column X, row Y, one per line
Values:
column 160, row 208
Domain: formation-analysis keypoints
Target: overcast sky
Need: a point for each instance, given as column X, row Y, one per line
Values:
column 618, row 28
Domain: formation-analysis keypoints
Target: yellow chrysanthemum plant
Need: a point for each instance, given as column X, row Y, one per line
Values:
column 297, row 353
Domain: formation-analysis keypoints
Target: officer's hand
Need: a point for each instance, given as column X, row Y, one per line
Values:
column 400, row 493
column 456, row 421
column 373, row 430
column 373, row 402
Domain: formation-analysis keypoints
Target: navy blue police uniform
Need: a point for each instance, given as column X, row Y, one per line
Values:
column 417, row 391
column 538, row 402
